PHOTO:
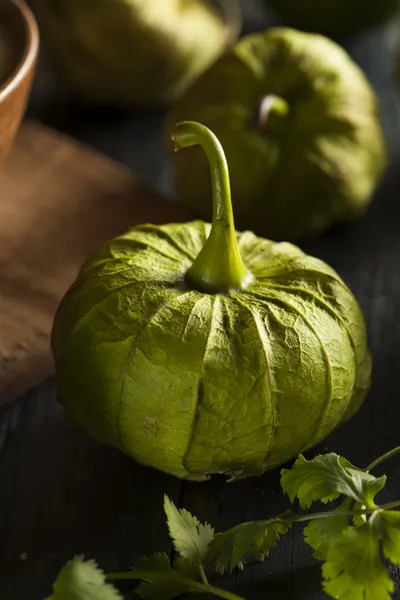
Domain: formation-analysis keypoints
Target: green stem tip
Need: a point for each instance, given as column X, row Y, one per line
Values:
column 272, row 111
column 219, row 267
column 382, row 459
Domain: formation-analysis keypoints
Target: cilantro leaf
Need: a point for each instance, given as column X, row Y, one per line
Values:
column 157, row 563
column 161, row 581
column 322, row 534
column 190, row 537
column 185, row 568
column 326, row 477
column 389, row 529
column 83, row 580
column 353, row 569
column 255, row 539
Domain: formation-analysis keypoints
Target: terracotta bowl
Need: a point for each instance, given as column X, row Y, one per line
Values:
column 19, row 44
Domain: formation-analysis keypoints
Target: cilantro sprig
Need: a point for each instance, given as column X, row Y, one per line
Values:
column 354, row 539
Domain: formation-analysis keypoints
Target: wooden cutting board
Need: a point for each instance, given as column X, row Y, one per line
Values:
column 58, row 200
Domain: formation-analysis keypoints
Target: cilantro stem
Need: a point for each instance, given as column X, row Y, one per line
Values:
column 390, row 505
column 145, row 575
column 342, row 513
column 382, row 458
column 202, row 573
column 168, row 577
column 216, row 591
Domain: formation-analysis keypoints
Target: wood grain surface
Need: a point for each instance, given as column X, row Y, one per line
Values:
column 58, row 201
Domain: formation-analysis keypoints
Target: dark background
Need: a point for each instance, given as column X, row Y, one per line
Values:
column 62, row 494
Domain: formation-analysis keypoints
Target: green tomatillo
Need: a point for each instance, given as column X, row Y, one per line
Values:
column 196, row 349
column 134, row 52
column 299, row 124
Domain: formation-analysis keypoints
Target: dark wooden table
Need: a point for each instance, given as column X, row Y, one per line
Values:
column 61, row 493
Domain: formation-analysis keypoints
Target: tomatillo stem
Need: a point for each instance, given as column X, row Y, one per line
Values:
column 272, row 110
column 219, row 267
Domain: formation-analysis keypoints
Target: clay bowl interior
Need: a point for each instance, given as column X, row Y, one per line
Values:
column 19, row 42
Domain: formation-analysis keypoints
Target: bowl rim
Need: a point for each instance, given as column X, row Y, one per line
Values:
column 30, row 51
